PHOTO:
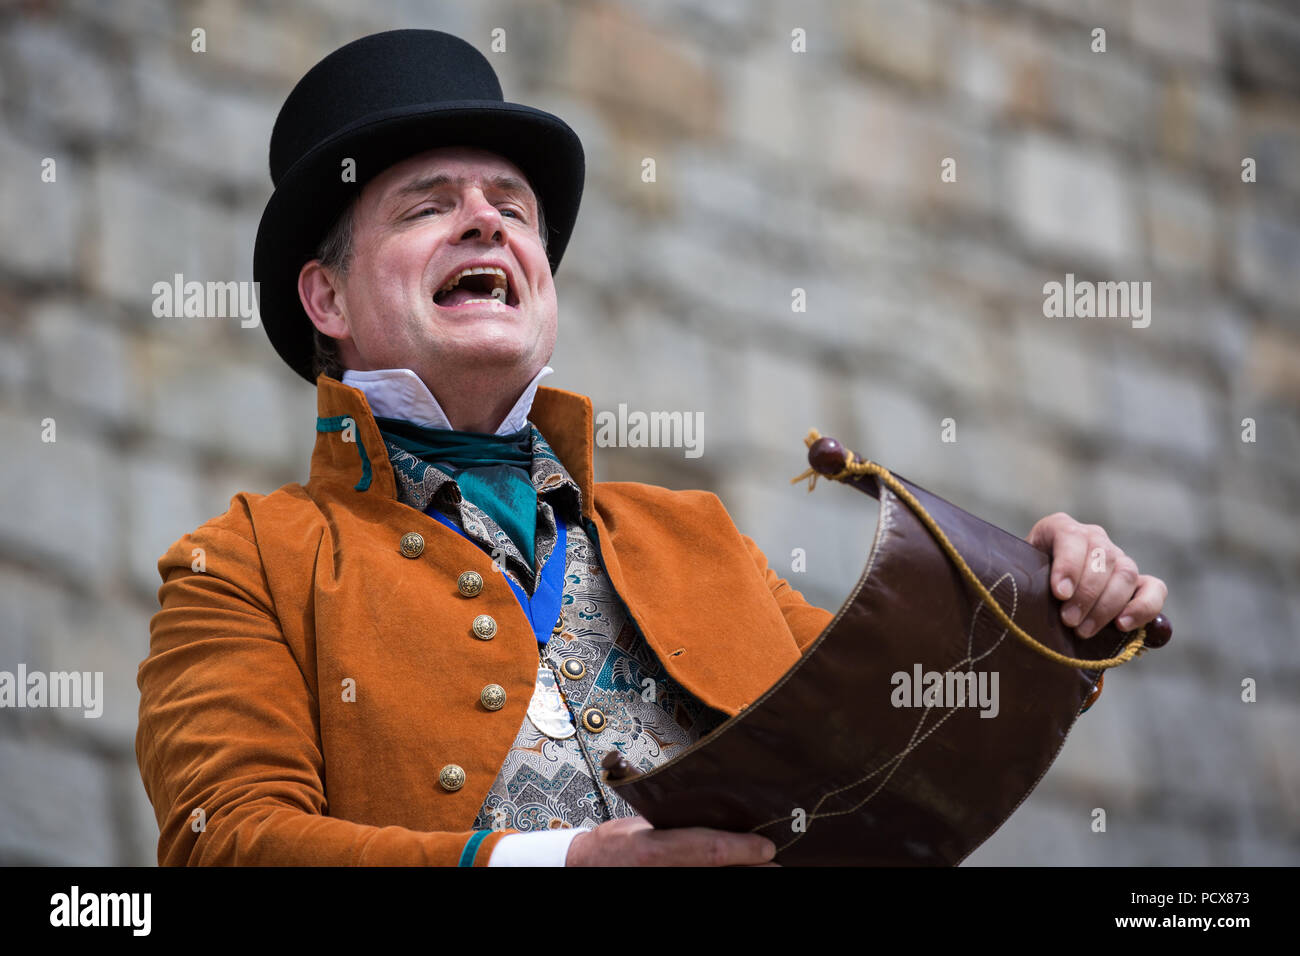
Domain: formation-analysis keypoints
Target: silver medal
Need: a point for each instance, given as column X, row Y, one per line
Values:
column 546, row 710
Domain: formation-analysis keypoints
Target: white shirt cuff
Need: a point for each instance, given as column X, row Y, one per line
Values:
column 542, row 848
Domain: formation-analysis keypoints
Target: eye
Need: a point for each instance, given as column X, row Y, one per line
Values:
column 513, row 211
column 426, row 209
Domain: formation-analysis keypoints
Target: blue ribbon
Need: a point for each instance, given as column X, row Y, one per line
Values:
column 543, row 608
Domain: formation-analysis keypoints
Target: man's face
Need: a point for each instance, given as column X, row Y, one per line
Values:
column 417, row 226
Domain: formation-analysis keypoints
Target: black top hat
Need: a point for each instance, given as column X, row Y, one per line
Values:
column 379, row 100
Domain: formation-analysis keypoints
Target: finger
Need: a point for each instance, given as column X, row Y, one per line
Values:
column 1144, row 605
column 1069, row 548
column 1114, row 596
column 1098, row 563
column 701, row 846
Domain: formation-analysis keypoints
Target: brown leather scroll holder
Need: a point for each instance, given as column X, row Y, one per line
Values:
column 915, row 724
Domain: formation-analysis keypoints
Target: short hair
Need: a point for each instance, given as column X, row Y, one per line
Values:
column 335, row 252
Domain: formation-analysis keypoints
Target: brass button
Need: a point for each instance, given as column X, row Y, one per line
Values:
column 412, row 544
column 485, row 628
column 451, row 777
column 593, row 720
column 573, row 668
column 469, row 583
column 493, row 697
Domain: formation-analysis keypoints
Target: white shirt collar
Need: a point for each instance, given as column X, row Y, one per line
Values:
column 400, row 393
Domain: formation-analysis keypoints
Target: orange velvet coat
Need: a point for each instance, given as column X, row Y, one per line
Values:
column 248, row 745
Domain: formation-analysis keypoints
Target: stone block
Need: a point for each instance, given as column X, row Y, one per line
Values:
column 905, row 40
column 1238, row 614
column 1196, row 760
column 138, row 827
column 1270, row 134
column 1181, row 225
column 1104, row 96
column 44, row 240
column 164, row 503
column 1265, row 247
column 1265, row 44
column 1271, row 725
column 1072, row 200
column 27, row 601
column 1178, row 29
column 149, row 232
column 1004, row 67
column 1132, row 504
column 68, row 84
column 1009, row 473
column 766, row 97
column 244, row 412
column 1256, row 513
column 615, row 58
column 1103, row 757
column 56, row 807
column 1196, row 121
column 1040, row 832
column 898, row 428
column 82, row 357
column 69, row 489
column 105, row 636
column 876, row 142
column 1154, row 407
column 1060, row 372
column 221, row 133
column 833, row 528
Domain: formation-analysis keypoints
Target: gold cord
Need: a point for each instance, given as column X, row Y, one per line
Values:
column 854, row 467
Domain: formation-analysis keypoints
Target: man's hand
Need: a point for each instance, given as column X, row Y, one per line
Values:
column 1097, row 581
column 632, row 841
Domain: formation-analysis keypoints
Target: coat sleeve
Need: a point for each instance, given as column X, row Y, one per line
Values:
column 229, row 727
column 806, row 621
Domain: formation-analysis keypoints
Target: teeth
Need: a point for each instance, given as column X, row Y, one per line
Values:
column 499, row 293
column 498, row 273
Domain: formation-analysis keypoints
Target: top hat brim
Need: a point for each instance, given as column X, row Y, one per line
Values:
column 312, row 193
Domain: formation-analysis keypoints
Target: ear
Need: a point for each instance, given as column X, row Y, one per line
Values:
column 321, row 293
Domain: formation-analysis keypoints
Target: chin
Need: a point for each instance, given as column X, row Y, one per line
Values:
column 491, row 353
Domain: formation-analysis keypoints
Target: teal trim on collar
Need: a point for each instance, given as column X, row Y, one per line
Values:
column 471, row 847
column 337, row 424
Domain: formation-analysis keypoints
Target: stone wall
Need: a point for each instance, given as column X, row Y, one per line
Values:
column 776, row 169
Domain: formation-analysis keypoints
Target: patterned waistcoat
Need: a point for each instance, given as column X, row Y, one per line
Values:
column 546, row 783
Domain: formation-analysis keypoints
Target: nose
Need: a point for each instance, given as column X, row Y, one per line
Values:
column 481, row 219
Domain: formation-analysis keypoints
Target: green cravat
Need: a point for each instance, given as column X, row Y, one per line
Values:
column 493, row 471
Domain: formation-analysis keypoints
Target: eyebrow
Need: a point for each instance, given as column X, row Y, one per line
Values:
column 502, row 182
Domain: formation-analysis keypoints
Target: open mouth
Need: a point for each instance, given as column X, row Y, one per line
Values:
column 477, row 285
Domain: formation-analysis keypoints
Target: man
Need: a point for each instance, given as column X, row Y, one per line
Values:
column 421, row 655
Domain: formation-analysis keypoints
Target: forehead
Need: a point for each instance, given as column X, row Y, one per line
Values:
column 450, row 165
